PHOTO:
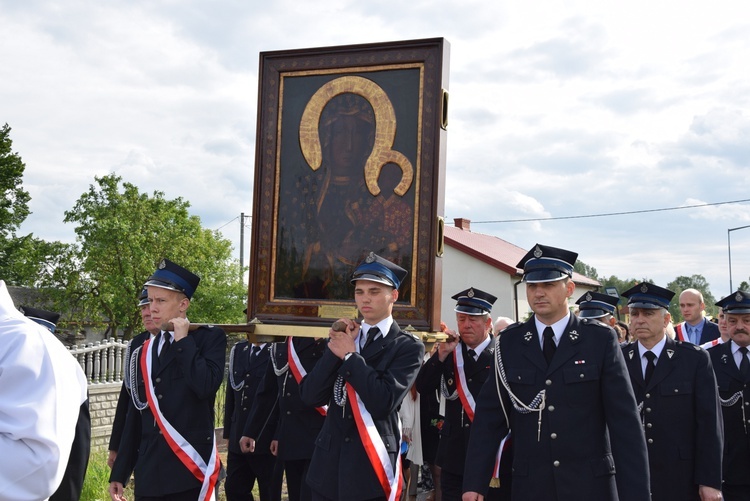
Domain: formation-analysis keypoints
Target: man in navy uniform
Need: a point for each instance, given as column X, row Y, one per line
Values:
column 169, row 430
column 458, row 369
column 675, row 388
column 247, row 366
column 118, row 423
column 363, row 377
column 598, row 306
column 560, row 384
column 278, row 401
column 732, row 368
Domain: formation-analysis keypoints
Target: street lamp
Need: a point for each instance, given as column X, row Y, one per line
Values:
column 729, row 250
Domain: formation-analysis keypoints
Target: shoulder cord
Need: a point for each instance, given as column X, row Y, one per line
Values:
column 536, row 405
column 235, row 386
column 126, row 376
column 276, row 369
column 339, row 391
column 444, row 390
column 137, row 402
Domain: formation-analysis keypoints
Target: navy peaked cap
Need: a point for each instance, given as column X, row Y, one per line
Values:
column 169, row 275
column 377, row 269
column 648, row 296
column 596, row 305
column 736, row 303
column 474, row 302
column 47, row 319
column 547, row 264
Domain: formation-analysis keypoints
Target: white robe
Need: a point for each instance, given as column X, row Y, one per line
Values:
column 42, row 388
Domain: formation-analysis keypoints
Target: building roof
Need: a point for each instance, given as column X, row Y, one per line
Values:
column 494, row 251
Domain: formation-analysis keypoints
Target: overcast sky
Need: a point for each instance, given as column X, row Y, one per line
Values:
column 556, row 109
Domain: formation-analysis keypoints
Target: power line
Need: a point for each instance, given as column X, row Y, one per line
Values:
column 607, row 214
column 227, row 223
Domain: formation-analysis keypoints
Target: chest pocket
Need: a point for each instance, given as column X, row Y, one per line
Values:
column 676, row 389
column 581, row 384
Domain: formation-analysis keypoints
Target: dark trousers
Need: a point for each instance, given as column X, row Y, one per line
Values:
column 297, row 488
column 318, row 497
column 191, row 495
column 735, row 492
column 242, row 472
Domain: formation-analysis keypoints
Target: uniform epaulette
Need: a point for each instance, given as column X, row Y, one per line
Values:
column 686, row 345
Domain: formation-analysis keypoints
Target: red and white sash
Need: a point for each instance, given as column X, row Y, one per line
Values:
column 467, row 399
column 207, row 474
column 298, row 370
column 391, row 482
column 712, row 343
column 678, row 330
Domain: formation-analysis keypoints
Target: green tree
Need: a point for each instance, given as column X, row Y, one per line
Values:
column 697, row 282
column 123, row 234
column 14, row 208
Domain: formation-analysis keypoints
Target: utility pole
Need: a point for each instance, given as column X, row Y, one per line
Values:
column 242, row 243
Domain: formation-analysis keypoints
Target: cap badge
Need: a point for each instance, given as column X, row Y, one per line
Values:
column 370, row 258
column 644, row 288
column 588, row 296
column 470, row 293
column 738, row 297
column 538, row 252
column 162, row 264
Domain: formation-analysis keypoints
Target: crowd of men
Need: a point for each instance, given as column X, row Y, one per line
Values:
column 561, row 406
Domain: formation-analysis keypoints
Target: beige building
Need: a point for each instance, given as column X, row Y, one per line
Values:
column 489, row 263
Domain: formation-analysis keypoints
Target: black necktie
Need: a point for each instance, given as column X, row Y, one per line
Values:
column 745, row 363
column 549, row 346
column 165, row 347
column 472, row 354
column 650, row 365
column 371, row 335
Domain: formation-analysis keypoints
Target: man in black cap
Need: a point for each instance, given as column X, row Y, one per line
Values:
column 598, row 306
column 458, row 370
column 731, row 362
column 363, row 377
column 118, row 423
column 561, row 387
column 169, row 431
column 676, row 392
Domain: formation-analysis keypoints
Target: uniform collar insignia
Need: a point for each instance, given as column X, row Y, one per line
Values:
column 670, row 353
column 573, row 335
column 246, row 347
column 527, row 337
column 724, row 359
column 630, row 354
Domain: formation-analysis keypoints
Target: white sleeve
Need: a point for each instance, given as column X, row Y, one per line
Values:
column 40, row 397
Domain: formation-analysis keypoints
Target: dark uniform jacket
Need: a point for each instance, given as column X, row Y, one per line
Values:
column 454, row 435
column 278, row 398
column 118, row 424
column 72, row 482
column 587, row 393
column 681, row 419
column 382, row 375
column 248, row 372
column 185, row 385
column 736, row 422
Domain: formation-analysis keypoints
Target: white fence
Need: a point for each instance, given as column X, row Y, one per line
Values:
column 102, row 361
